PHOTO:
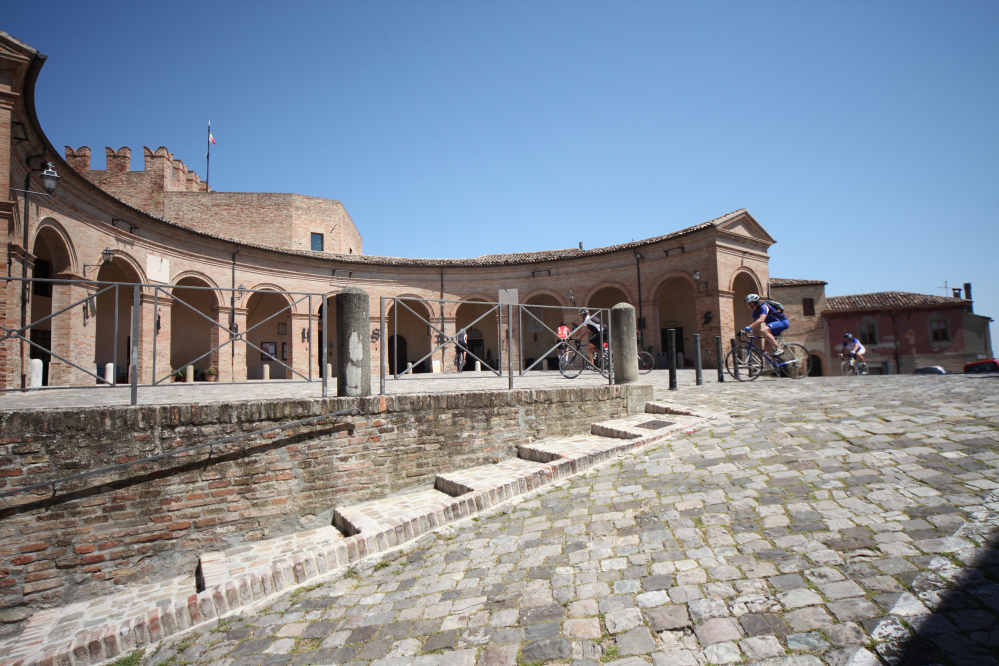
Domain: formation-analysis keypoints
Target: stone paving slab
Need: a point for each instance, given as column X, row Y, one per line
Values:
column 846, row 521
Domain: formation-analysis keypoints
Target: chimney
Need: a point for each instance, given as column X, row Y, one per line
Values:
column 957, row 292
column 78, row 159
column 120, row 161
column 967, row 290
column 580, row 245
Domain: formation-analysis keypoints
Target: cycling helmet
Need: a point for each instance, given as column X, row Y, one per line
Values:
column 848, row 335
column 583, row 312
column 752, row 298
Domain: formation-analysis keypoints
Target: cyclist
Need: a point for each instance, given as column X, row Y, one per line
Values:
column 461, row 348
column 592, row 325
column 852, row 345
column 563, row 335
column 770, row 321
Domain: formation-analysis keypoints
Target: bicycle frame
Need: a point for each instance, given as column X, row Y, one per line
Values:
column 762, row 351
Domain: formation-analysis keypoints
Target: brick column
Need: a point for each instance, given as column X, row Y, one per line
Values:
column 238, row 348
column 299, row 356
column 147, row 331
column 222, row 358
column 703, row 304
column 73, row 336
column 726, row 319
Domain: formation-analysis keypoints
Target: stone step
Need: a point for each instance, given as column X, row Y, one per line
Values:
column 636, row 426
column 429, row 506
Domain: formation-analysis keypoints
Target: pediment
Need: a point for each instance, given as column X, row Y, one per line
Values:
column 745, row 225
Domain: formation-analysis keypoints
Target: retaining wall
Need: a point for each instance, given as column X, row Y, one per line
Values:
column 151, row 522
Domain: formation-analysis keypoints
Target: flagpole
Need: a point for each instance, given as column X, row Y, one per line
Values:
column 208, row 156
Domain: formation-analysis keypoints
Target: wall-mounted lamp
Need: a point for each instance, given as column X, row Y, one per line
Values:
column 305, row 335
column 572, row 297
column 107, row 257
column 242, row 291
column 157, row 324
column 697, row 275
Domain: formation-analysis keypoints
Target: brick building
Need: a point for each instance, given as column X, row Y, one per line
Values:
column 219, row 264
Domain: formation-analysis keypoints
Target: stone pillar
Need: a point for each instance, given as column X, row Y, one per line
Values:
column 353, row 343
column 73, row 336
column 238, row 353
column 708, row 306
column 299, row 357
column 726, row 319
column 625, row 347
column 451, row 330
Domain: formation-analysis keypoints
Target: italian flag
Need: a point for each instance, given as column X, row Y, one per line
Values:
column 210, row 137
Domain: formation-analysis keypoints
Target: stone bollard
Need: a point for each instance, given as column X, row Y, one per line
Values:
column 353, row 343
column 409, row 369
column 189, row 374
column 625, row 345
column 329, row 371
column 267, row 371
column 35, row 370
column 478, row 366
column 109, row 373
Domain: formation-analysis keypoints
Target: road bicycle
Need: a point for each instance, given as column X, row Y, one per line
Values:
column 852, row 366
column 747, row 362
column 459, row 360
column 645, row 362
column 572, row 360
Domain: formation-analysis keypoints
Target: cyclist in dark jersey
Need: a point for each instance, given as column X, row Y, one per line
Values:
column 770, row 321
column 461, row 346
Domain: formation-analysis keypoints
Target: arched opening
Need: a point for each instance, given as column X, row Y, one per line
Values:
column 677, row 311
column 816, row 369
column 267, row 323
column 398, row 354
column 539, row 338
column 112, row 344
column 742, row 287
column 483, row 335
column 190, row 332
column 330, row 336
column 414, row 334
column 607, row 297
column 41, row 301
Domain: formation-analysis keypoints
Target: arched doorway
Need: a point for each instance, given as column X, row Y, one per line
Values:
column 191, row 334
column 483, row 335
column 742, row 286
column 607, row 297
column 268, row 319
column 816, row 369
column 330, row 336
column 397, row 351
column 414, row 333
column 41, row 302
column 538, row 338
column 112, row 344
column 677, row 311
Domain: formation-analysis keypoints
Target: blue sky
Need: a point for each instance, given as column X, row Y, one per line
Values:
column 862, row 135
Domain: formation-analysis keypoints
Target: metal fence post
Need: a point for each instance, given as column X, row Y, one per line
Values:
column 697, row 360
column 114, row 355
column 156, row 332
column 326, row 347
column 671, row 353
column 610, row 350
column 135, row 344
column 509, row 342
column 381, row 354
column 718, row 353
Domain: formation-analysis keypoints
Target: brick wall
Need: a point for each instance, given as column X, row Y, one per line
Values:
column 150, row 523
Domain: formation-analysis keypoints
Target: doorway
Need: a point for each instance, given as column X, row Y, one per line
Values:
column 663, row 340
column 397, row 343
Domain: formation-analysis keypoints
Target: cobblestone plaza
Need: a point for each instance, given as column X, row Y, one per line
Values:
column 826, row 521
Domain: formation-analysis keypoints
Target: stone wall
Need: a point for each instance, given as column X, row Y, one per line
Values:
column 150, row 523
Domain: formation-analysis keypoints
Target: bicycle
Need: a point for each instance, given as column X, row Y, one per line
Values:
column 459, row 360
column 572, row 360
column 645, row 362
column 852, row 366
column 747, row 362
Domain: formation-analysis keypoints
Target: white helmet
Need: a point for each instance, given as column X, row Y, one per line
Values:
column 752, row 298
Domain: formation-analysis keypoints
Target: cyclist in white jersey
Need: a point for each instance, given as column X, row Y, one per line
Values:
column 852, row 345
column 593, row 326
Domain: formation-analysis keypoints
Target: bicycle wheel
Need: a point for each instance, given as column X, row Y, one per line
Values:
column 571, row 364
column 847, row 369
column 645, row 362
column 795, row 361
column 744, row 364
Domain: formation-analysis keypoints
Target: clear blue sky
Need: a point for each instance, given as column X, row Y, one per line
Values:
column 862, row 135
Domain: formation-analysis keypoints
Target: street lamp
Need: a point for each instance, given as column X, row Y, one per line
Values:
column 49, row 178
column 697, row 275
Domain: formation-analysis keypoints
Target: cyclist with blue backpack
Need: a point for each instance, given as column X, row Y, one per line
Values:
column 770, row 320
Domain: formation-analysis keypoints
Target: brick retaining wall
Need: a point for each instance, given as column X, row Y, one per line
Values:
column 150, row 523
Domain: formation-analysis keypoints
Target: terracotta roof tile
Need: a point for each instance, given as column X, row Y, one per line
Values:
column 889, row 299
column 788, row 282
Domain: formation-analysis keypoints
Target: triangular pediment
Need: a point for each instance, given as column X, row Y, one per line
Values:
column 745, row 225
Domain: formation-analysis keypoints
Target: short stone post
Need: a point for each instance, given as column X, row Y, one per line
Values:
column 625, row 346
column 109, row 373
column 353, row 343
column 35, row 369
column 267, row 371
column 478, row 366
column 189, row 374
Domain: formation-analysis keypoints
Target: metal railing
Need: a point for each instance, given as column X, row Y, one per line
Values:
column 178, row 452
column 444, row 340
column 95, row 288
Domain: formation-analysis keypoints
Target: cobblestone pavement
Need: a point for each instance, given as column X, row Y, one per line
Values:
column 821, row 522
column 203, row 392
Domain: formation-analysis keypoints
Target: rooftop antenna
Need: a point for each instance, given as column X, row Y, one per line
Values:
column 944, row 287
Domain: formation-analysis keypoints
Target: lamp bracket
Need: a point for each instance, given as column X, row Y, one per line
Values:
column 131, row 227
column 24, row 131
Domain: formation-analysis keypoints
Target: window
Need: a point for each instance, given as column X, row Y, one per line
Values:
column 808, row 306
column 42, row 270
column 868, row 334
column 938, row 330
column 317, row 242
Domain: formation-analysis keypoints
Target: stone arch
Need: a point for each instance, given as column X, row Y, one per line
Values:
column 676, row 309
column 112, row 345
column 267, row 286
column 451, row 309
column 821, row 368
column 191, row 334
column 550, row 292
column 415, row 336
column 745, row 272
column 60, row 244
column 609, row 284
column 217, row 293
column 539, row 339
column 266, row 310
column 486, row 347
column 653, row 294
column 744, row 282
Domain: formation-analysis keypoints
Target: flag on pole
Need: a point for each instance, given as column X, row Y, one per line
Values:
column 210, row 137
